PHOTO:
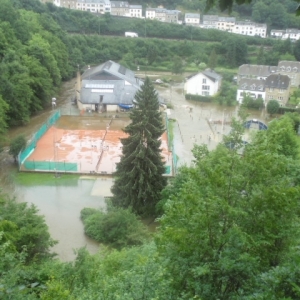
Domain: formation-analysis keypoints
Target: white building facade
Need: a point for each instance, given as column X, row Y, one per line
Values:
column 135, row 11
column 254, row 88
column 206, row 83
column 250, row 28
column 192, row 19
column 94, row 6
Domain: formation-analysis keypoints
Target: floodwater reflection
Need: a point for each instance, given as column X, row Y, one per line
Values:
column 61, row 205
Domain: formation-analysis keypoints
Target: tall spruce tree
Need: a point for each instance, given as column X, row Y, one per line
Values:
column 139, row 177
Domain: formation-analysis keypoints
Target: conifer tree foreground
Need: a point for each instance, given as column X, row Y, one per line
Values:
column 139, row 177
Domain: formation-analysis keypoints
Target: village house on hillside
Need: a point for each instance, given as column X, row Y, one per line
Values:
column 206, row 83
column 192, row 19
column 278, row 88
column 107, row 87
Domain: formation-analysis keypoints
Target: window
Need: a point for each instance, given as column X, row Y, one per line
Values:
column 280, row 98
column 205, row 93
column 271, row 90
column 205, row 87
column 204, row 80
column 270, row 97
column 281, row 91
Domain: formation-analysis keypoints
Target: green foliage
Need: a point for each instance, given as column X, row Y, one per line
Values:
column 32, row 232
column 16, row 145
column 295, row 98
column 139, row 176
column 249, row 102
column 198, row 98
column 117, row 227
column 227, row 94
column 225, row 221
column 272, row 107
column 177, row 67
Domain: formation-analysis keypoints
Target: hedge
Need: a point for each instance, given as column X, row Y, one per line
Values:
column 198, row 98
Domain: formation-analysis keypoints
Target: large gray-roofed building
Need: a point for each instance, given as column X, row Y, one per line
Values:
column 108, row 87
column 255, row 71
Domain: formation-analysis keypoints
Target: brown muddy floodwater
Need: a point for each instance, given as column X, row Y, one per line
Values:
column 61, row 203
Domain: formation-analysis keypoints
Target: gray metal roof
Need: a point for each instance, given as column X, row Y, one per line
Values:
column 194, row 16
column 119, row 88
column 210, row 17
column 252, row 84
column 289, row 66
column 277, row 81
column 256, row 70
column 212, row 75
column 135, row 6
column 119, row 4
column 226, row 19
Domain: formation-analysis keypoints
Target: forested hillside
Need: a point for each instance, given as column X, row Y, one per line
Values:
column 38, row 50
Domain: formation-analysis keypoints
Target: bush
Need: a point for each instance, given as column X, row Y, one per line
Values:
column 198, row 98
column 16, row 145
column 273, row 107
column 253, row 103
column 118, row 227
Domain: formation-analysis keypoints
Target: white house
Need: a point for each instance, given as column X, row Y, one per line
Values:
column 210, row 21
column 226, row 23
column 192, row 19
column 206, row 83
column 150, row 13
column 250, row 28
column 254, row 88
column 135, row 11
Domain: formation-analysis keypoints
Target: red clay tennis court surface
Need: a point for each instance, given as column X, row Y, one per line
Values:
column 94, row 151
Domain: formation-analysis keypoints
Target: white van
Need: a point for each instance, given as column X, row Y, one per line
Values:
column 131, row 34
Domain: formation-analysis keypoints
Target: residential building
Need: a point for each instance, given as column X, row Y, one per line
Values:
column 172, row 16
column 119, row 8
column 277, row 34
column 150, row 13
column 94, row 6
column 162, row 14
column 210, row 21
column 71, row 4
column 255, row 71
column 277, row 87
column 192, row 19
column 107, row 87
column 135, row 11
column 206, row 83
column 226, row 23
column 292, row 70
column 250, row 28
column 292, row 34
column 254, row 88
